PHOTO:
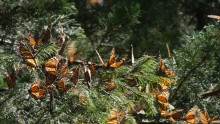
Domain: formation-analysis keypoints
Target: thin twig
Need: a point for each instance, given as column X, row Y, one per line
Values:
column 100, row 58
column 168, row 50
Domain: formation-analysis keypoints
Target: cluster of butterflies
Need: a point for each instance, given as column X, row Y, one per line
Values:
column 161, row 94
column 166, row 110
column 29, row 50
column 57, row 73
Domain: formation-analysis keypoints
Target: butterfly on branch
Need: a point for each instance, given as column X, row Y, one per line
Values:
column 87, row 75
column 75, row 77
column 36, row 91
column 195, row 116
column 11, row 77
column 172, row 115
column 54, row 68
column 162, row 98
column 164, row 69
column 61, row 87
column 112, row 64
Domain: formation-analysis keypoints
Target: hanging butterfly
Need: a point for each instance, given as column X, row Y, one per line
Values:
column 36, row 92
column 164, row 69
column 29, row 57
column 50, row 88
column 64, row 71
column 47, row 34
column 210, row 120
column 61, row 87
column 11, row 78
column 173, row 115
column 87, row 74
column 75, row 76
column 92, row 69
column 154, row 92
column 162, row 98
column 32, row 42
column 50, row 78
column 112, row 61
column 120, row 63
column 116, row 117
column 194, row 115
column 54, row 65
column 54, row 68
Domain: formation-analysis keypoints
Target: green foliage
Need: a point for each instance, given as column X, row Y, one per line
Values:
column 81, row 104
column 148, row 25
column 198, row 69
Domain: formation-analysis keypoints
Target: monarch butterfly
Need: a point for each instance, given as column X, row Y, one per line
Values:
column 87, row 74
column 171, row 115
column 47, row 34
column 50, row 78
column 11, row 78
column 162, row 98
column 36, row 92
column 33, row 43
column 194, row 115
column 50, row 88
column 25, row 52
column 112, row 61
column 51, row 65
column 54, row 65
column 109, row 86
column 116, row 117
column 75, row 75
column 29, row 58
column 120, row 63
column 163, row 68
column 61, row 87
column 64, row 71
column 93, row 69
column 154, row 92
column 163, row 87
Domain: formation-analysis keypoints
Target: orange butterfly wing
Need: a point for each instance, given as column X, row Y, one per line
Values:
column 93, row 69
column 203, row 118
column 47, row 35
column 61, row 87
column 36, row 92
column 87, row 74
column 109, row 86
column 190, row 115
column 25, row 52
column 75, row 76
column 50, row 66
column 163, row 99
column 112, row 57
column 9, row 81
column 161, row 65
column 32, row 42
